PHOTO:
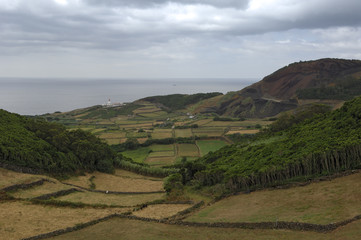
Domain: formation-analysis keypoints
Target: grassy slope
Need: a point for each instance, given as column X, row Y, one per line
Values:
column 134, row 230
column 321, row 203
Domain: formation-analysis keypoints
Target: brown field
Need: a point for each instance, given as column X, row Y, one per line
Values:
column 322, row 203
column 160, row 161
column 187, row 150
column 209, row 132
column 8, row 178
column 46, row 188
column 112, row 135
column 111, row 199
column 161, row 154
column 183, row 133
column 126, row 174
column 162, row 133
column 136, row 230
column 202, row 122
column 160, row 211
column 113, row 141
column 245, row 131
column 111, row 182
column 21, row 220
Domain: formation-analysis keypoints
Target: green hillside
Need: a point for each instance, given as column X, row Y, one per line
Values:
column 49, row 147
column 180, row 101
column 325, row 144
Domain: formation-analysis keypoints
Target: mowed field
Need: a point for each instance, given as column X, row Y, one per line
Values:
column 320, row 203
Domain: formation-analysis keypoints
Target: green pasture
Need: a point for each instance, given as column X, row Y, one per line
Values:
column 138, row 155
column 207, row 146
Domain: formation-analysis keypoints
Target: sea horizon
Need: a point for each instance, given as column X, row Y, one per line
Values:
column 37, row 96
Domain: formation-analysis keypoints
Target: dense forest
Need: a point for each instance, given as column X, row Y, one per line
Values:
column 49, row 147
column 326, row 143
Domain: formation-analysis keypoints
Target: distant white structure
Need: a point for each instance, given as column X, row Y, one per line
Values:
column 110, row 104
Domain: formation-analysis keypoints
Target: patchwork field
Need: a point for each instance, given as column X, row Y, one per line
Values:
column 321, row 203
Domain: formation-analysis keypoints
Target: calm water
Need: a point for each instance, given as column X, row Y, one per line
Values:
column 33, row 96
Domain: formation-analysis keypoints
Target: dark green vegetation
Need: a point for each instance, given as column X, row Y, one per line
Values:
column 325, row 144
column 180, row 101
column 49, row 147
column 342, row 89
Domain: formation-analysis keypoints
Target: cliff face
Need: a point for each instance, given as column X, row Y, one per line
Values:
column 277, row 92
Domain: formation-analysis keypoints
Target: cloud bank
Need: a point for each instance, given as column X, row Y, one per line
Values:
column 157, row 38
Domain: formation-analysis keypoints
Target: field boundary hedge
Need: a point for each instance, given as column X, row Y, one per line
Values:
column 70, row 229
column 180, row 215
column 21, row 169
column 294, row 226
column 281, row 225
column 110, row 192
column 57, row 194
column 24, row 186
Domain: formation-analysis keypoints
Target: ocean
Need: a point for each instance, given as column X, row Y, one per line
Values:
column 40, row 96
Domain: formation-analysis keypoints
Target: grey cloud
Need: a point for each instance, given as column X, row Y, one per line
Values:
column 145, row 3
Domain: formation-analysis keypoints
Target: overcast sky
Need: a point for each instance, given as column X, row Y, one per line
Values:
column 171, row 39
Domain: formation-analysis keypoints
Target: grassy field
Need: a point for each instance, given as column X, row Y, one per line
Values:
column 206, row 146
column 138, row 155
column 186, row 150
column 21, row 220
column 208, row 132
column 160, row 211
column 8, row 178
column 160, row 161
column 160, row 148
column 322, row 203
column 161, row 154
column 183, row 133
column 111, row 199
column 244, row 131
column 136, row 230
column 46, row 188
column 126, row 174
column 116, row 183
column 162, row 133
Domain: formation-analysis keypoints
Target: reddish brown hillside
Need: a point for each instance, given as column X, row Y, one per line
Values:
column 284, row 83
column 277, row 92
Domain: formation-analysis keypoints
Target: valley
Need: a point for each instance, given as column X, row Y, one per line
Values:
column 260, row 163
